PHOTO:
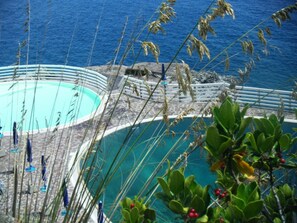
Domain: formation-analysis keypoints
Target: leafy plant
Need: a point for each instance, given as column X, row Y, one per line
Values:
column 135, row 211
column 183, row 196
column 286, row 199
column 245, row 205
column 225, row 140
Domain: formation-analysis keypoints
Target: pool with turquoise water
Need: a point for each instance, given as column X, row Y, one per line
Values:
column 144, row 149
column 37, row 105
column 145, row 146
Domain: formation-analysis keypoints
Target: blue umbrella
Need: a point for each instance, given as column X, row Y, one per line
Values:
column 43, row 174
column 100, row 213
column 163, row 78
column 15, row 134
column 15, row 138
column 29, row 151
column 1, row 134
column 2, row 153
column 65, row 199
column 29, row 156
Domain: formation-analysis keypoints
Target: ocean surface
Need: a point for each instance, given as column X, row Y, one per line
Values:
column 88, row 32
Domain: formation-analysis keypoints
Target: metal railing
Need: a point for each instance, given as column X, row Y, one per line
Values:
column 202, row 93
column 88, row 78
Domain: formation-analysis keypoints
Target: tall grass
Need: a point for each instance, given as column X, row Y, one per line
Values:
column 59, row 144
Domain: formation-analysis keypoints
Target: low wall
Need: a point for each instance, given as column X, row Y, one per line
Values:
column 88, row 78
column 202, row 93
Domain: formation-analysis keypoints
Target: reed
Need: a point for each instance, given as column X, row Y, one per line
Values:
column 59, row 144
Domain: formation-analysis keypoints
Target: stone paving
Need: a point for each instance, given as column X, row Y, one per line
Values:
column 57, row 145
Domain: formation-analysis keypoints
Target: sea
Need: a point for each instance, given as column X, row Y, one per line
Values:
column 98, row 32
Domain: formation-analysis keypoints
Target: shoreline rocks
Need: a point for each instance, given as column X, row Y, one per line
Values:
column 151, row 71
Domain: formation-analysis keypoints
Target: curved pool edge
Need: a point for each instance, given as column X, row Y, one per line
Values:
column 74, row 163
column 86, row 145
column 109, row 131
column 96, row 112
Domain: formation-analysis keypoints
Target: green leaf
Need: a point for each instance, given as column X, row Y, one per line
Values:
column 206, row 196
column 244, row 110
column 244, row 191
column 126, row 215
column 177, row 207
column 162, row 196
column 274, row 121
column 198, row 204
column 150, row 214
column 176, row 182
column 228, row 118
column 285, row 141
column 260, row 140
column 185, row 196
column 243, row 125
column 254, row 195
column 134, row 214
column 189, row 181
column 259, row 125
column 277, row 220
column 213, row 139
column 237, row 202
column 253, row 209
column 225, row 145
column 277, row 132
column 236, row 213
column 269, row 128
column 267, row 144
column 281, row 197
column 252, row 140
column 164, row 186
column 287, row 191
column 218, row 119
column 202, row 219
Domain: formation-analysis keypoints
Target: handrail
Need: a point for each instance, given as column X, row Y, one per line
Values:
column 263, row 98
column 86, row 77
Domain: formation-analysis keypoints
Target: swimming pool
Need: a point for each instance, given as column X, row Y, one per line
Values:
column 149, row 145
column 37, row 105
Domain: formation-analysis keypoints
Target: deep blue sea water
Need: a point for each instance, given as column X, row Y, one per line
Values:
column 64, row 31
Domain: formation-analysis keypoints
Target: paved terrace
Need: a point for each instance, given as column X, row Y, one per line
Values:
column 58, row 145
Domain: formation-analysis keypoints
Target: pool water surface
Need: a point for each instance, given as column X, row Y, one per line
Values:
column 145, row 149
column 36, row 105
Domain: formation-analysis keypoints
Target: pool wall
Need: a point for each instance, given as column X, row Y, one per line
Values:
column 89, row 79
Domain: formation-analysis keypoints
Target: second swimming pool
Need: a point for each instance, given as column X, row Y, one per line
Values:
column 40, row 104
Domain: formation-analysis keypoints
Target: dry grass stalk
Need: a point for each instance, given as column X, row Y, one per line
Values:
column 165, row 111
column 227, row 61
column 262, row 37
column 154, row 49
column 199, row 46
column 204, row 27
column 283, row 14
column 247, row 46
column 223, row 8
column 165, row 14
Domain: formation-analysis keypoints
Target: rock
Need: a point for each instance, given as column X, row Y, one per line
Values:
column 205, row 77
